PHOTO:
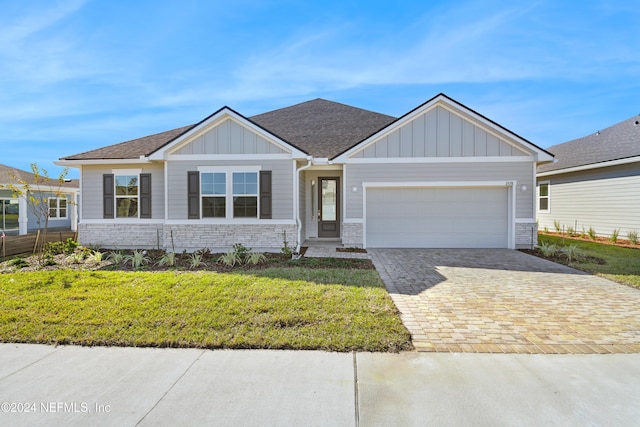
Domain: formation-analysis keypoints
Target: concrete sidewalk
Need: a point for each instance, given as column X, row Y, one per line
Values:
column 106, row 386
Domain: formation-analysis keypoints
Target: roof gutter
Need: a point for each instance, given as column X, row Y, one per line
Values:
column 297, row 194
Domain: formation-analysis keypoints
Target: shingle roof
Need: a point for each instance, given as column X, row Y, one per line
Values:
column 619, row 141
column 132, row 149
column 9, row 174
column 322, row 128
column 319, row 127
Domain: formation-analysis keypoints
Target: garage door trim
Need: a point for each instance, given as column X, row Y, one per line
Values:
column 509, row 184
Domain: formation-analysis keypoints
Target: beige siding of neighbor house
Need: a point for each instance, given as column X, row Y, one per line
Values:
column 91, row 194
column 518, row 172
column 282, row 184
column 439, row 133
column 605, row 199
column 229, row 137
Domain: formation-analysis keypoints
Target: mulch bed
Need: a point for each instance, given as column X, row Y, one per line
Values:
column 182, row 263
column 352, row 250
column 562, row 259
column 599, row 239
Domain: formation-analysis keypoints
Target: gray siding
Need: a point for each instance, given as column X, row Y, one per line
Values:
column 33, row 211
column 91, row 197
column 282, row 184
column 439, row 133
column 229, row 137
column 522, row 172
column 605, row 199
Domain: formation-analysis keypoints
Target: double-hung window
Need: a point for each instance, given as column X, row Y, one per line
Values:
column 240, row 192
column 57, row 208
column 214, row 192
column 543, row 196
column 126, row 196
column 245, row 194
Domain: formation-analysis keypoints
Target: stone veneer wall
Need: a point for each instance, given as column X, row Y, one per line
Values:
column 190, row 237
column 351, row 235
column 260, row 237
column 524, row 235
column 121, row 236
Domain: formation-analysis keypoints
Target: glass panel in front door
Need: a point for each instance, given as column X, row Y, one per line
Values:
column 329, row 199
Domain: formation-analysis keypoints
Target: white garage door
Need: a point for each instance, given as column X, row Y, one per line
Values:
column 437, row 217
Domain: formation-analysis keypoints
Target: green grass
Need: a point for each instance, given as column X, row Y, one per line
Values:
column 621, row 264
column 295, row 308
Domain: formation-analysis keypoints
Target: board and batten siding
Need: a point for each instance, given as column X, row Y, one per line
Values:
column 519, row 172
column 439, row 133
column 229, row 137
column 91, row 195
column 282, row 184
column 605, row 199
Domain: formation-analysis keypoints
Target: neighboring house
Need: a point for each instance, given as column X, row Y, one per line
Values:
column 442, row 175
column 16, row 214
column 594, row 183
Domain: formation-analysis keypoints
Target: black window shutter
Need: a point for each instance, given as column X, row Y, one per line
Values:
column 108, row 198
column 193, row 195
column 265, row 194
column 145, row 195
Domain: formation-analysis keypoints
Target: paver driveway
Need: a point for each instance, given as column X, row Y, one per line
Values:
column 505, row 301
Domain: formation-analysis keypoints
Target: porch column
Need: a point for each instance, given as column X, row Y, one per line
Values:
column 74, row 211
column 23, row 214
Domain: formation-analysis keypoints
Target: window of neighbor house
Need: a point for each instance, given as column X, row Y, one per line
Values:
column 543, row 196
column 126, row 196
column 57, row 208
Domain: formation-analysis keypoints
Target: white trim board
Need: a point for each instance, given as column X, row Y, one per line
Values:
column 591, row 166
column 469, row 159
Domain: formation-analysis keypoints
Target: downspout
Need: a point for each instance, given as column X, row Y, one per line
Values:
column 297, row 183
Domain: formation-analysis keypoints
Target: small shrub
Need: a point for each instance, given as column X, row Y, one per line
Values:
column 47, row 260
column 286, row 249
column 548, row 250
column 255, row 258
column 168, row 259
column 632, row 236
column 205, row 252
column 614, row 235
column 116, row 257
column 137, row 259
column 571, row 231
column 557, row 226
column 56, row 248
column 545, row 229
column 230, row 259
column 19, row 262
column 96, row 256
column 195, row 260
column 572, row 253
column 76, row 257
column 242, row 252
column 583, row 234
column 592, row 233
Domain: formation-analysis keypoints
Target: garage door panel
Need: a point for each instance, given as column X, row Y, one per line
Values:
column 437, row 217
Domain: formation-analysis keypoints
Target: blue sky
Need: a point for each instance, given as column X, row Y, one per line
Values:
column 79, row 74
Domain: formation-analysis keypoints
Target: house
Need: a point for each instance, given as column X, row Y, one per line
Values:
column 441, row 175
column 18, row 213
column 594, row 183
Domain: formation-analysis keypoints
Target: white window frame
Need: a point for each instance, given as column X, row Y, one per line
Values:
column 256, row 195
column 116, row 196
column 229, row 171
column 225, row 195
column 57, row 209
column 548, row 196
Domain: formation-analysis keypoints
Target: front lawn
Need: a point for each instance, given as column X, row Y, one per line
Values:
column 620, row 264
column 284, row 308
